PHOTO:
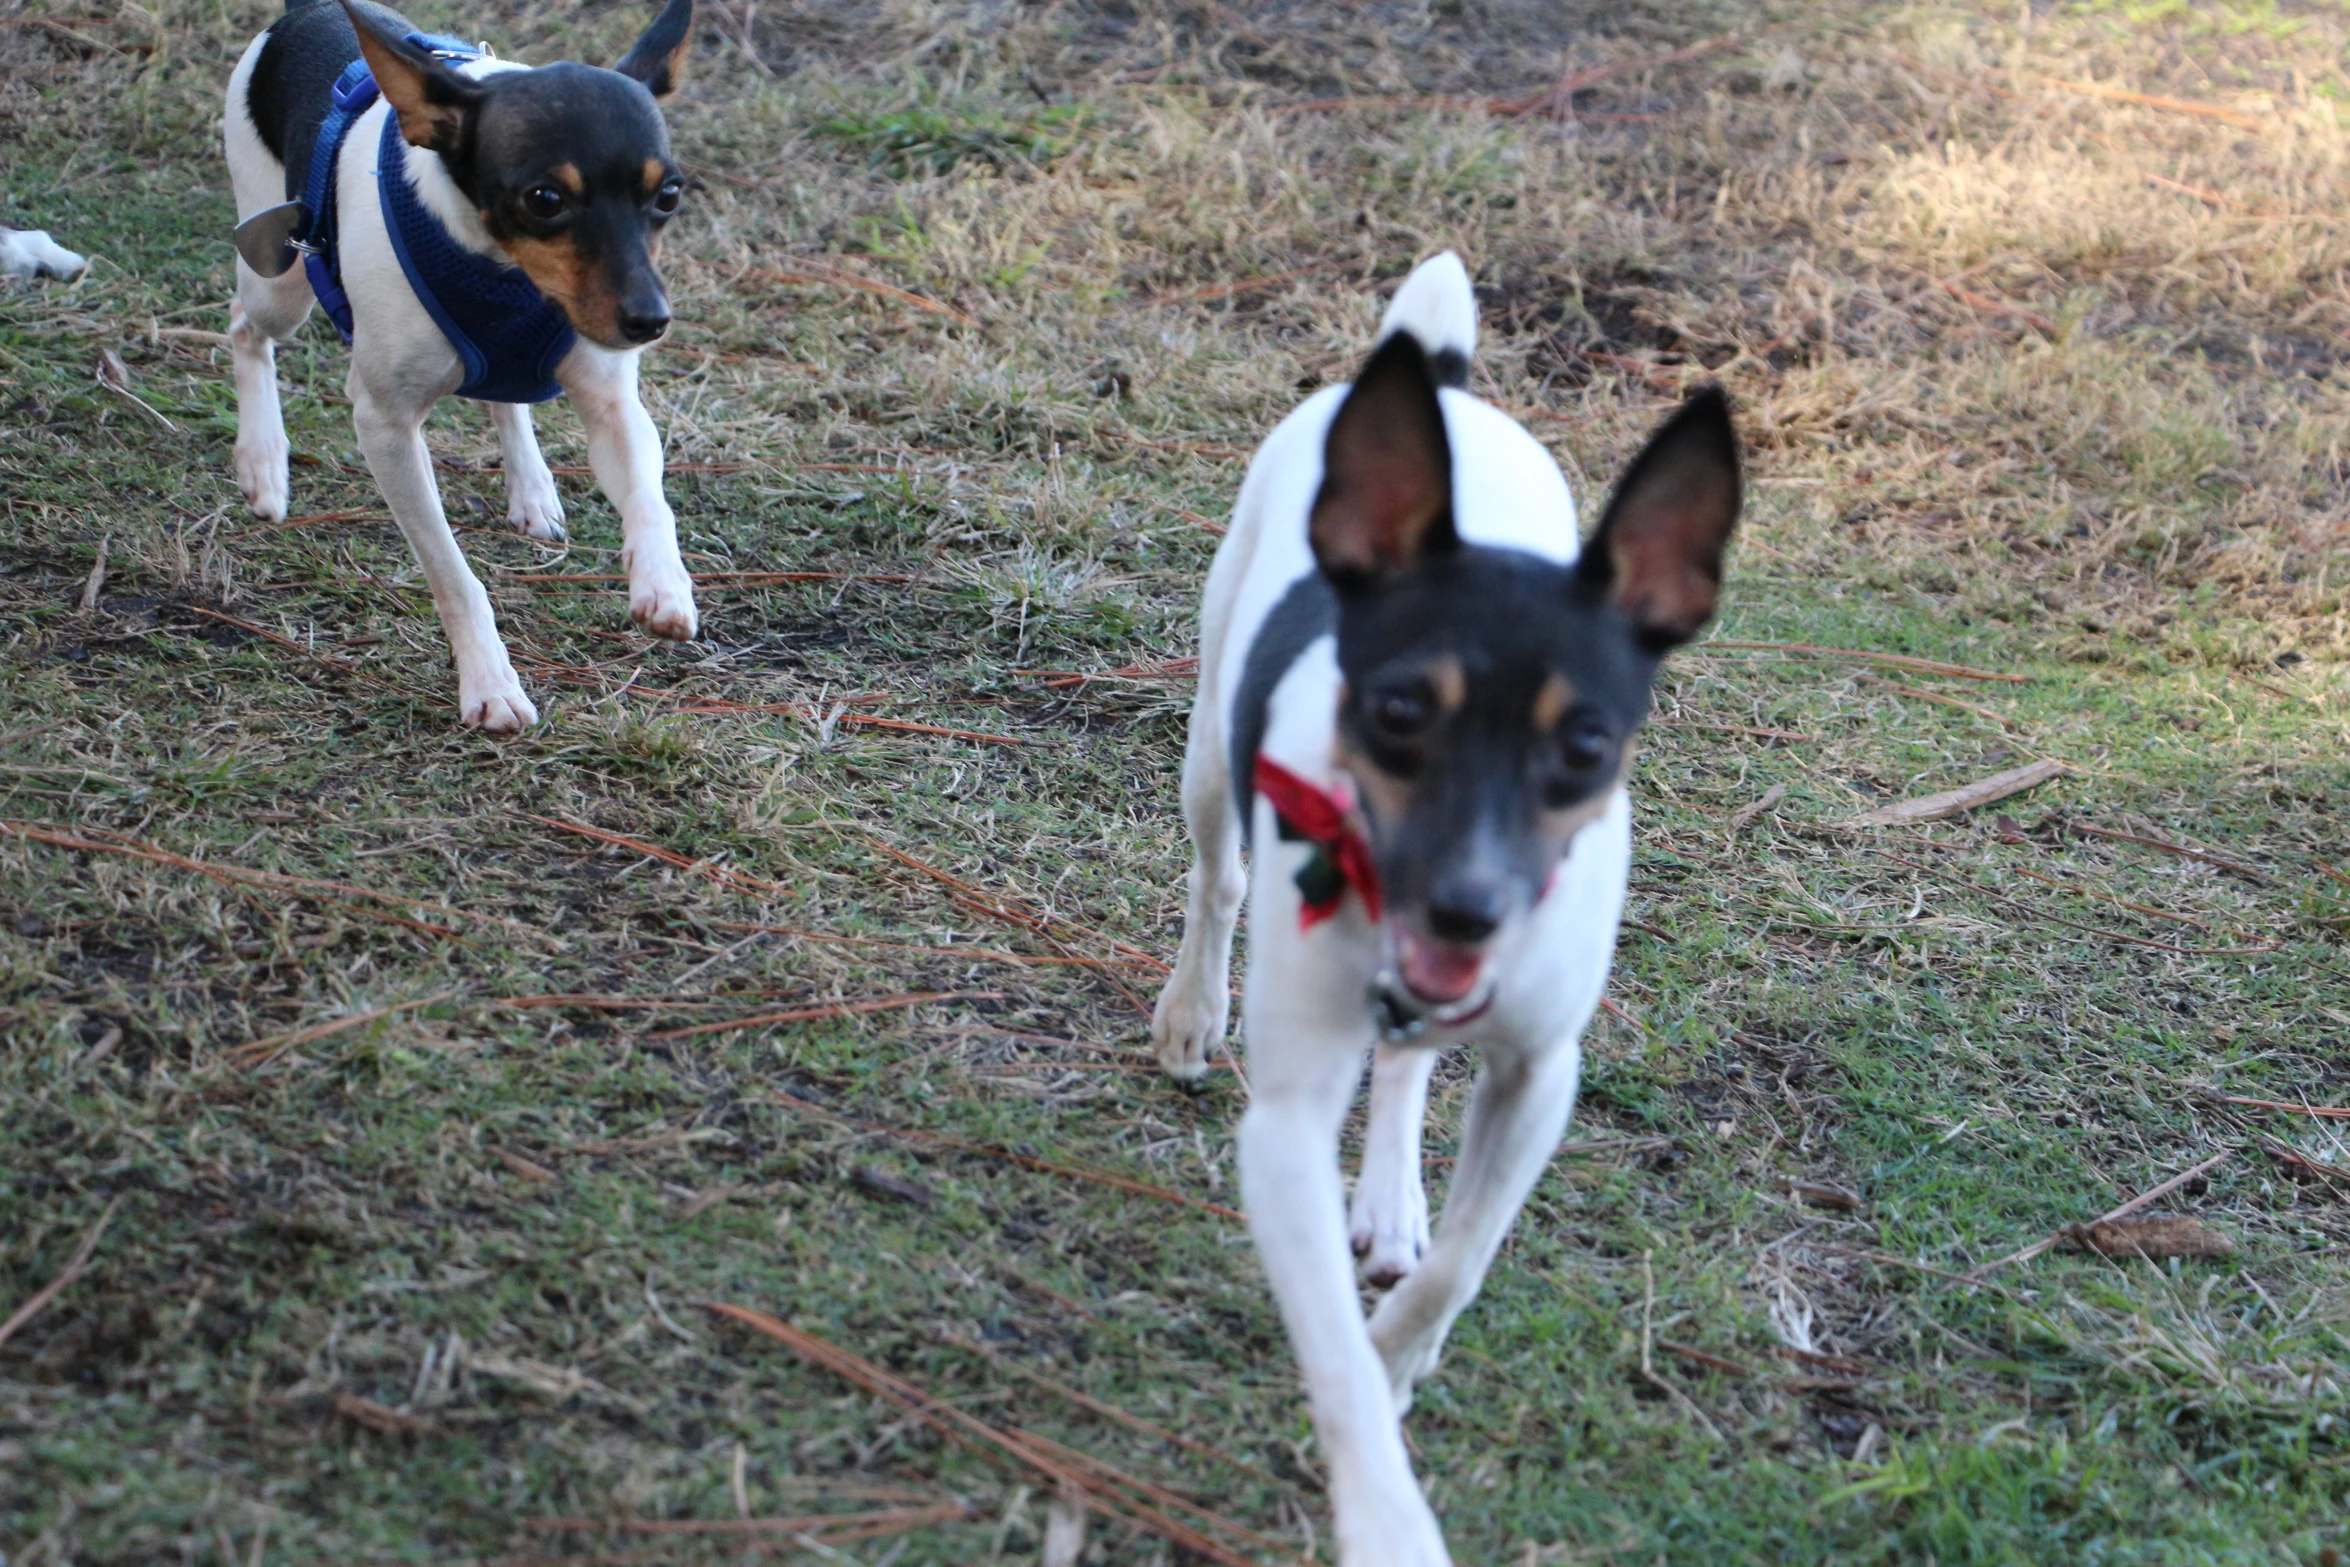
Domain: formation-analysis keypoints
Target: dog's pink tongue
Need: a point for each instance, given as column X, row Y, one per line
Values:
column 1437, row 970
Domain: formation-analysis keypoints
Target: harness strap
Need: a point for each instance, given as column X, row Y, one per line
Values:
column 507, row 335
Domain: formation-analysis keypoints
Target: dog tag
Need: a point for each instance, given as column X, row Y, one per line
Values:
column 266, row 239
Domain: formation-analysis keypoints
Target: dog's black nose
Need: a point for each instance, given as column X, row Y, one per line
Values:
column 1464, row 913
column 642, row 326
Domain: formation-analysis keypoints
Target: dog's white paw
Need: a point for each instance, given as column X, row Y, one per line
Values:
column 31, row 253
column 662, row 604
column 263, row 475
column 1187, row 1027
column 1399, row 1532
column 494, row 703
column 536, row 508
column 1388, row 1227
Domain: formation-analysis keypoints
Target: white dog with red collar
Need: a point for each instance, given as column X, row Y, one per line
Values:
column 1432, row 695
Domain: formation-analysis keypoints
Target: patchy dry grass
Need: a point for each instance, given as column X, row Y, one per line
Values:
column 983, row 307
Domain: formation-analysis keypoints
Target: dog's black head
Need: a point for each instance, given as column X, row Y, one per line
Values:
column 568, row 165
column 1491, row 697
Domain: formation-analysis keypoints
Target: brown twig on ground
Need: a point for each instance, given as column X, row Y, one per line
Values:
column 1691, row 1352
column 1038, row 923
column 971, row 1432
column 1959, row 801
column 335, row 892
column 75, row 1267
column 1099, row 1177
column 2302, row 1161
column 830, row 1009
column 1609, row 1005
column 2206, row 111
column 755, row 885
column 1132, row 1422
column 1939, row 700
column 2150, row 1195
column 1088, row 1465
column 1648, row 1374
column 261, row 1052
column 2323, row 1112
column 1996, row 307
column 1172, row 669
column 1922, row 666
column 2067, row 824
column 834, row 1526
column 806, row 270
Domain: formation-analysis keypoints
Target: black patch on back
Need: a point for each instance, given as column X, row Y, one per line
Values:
column 1306, row 613
column 293, row 81
column 1449, row 367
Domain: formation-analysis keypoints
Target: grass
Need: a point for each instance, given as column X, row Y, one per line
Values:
column 2035, row 381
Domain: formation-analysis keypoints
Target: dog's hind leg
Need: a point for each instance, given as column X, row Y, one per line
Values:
column 1520, row 1111
column 1388, row 1222
column 391, row 435
column 533, row 504
column 1187, row 1027
column 266, row 312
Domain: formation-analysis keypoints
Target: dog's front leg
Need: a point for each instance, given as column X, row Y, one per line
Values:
column 266, row 312
column 533, row 504
column 1187, row 1026
column 1304, row 1076
column 625, row 450
column 1388, row 1222
column 391, row 435
column 1520, row 1111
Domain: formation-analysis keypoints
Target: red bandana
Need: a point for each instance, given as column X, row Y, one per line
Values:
column 1319, row 817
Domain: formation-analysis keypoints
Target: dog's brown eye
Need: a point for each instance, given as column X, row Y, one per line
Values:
column 666, row 199
column 543, row 202
column 1400, row 713
column 1583, row 742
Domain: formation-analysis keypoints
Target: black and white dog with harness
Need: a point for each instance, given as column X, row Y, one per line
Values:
column 1418, row 699
column 472, row 226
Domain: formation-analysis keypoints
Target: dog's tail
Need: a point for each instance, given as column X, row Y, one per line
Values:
column 1437, row 306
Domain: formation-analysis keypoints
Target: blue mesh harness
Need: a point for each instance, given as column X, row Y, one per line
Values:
column 509, row 336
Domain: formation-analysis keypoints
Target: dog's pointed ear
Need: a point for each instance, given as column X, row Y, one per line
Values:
column 1658, row 552
column 1386, row 498
column 431, row 100
column 658, row 58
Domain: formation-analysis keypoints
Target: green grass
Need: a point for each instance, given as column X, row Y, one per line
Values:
column 395, row 1292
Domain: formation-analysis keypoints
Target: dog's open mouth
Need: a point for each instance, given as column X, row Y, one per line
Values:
column 1455, row 983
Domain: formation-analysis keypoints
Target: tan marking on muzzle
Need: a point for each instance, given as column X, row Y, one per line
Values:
column 576, row 286
column 1450, row 680
column 1552, row 701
